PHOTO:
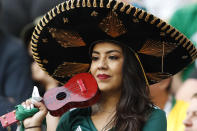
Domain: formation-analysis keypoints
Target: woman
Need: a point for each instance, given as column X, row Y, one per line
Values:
column 130, row 49
column 122, row 87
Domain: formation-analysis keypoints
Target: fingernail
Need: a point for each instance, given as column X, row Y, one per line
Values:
column 28, row 107
column 32, row 106
column 24, row 106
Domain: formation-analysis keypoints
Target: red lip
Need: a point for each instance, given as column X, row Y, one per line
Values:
column 103, row 76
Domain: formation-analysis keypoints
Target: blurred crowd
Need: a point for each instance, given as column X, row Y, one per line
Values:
column 19, row 73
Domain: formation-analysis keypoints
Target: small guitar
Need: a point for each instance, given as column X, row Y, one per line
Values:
column 79, row 92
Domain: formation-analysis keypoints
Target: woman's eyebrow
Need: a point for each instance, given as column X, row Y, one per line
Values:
column 111, row 51
column 108, row 52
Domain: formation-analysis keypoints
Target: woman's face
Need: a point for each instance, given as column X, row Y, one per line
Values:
column 106, row 66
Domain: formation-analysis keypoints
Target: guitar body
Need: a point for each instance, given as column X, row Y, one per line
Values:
column 79, row 92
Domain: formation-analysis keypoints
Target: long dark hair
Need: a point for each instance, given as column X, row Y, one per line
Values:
column 134, row 105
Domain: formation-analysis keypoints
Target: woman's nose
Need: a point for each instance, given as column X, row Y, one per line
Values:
column 102, row 64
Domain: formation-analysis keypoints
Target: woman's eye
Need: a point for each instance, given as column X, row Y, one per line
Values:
column 94, row 58
column 113, row 57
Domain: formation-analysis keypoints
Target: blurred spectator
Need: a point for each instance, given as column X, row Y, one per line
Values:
column 185, row 20
column 15, row 76
column 41, row 79
column 161, row 95
column 190, row 121
column 164, row 9
column 17, row 13
column 183, row 96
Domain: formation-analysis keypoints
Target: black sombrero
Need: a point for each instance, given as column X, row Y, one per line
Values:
column 61, row 40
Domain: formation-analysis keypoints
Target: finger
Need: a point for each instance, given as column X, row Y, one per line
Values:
column 31, row 106
column 24, row 105
column 28, row 104
column 40, row 106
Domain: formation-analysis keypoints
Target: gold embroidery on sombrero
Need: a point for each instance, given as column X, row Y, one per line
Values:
column 169, row 30
column 194, row 57
column 135, row 20
column 193, row 51
column 181, row 41
column 109, row 3
column 45, row 61
column 68, row 69
column 43, row 23
column 116, row 5
column 189, row 46
column 159, row 24
column 72, row 4
column 41, row 65
column 94, row 13
column 112, row 25
column 65, row 20
column 39, row 27
column 45, row 19
column 62, row 7
column 78, row 3
column 37, row 59
column 136, row 11
column 141, row 15
column 129, row 10
column 66, row 38
column 49, row 14
column 84, row 3
column 67, row 5
column 179, row 36
column 123, row 7
column 158, row 76
column 94, row 3
column 58, row 8
column 33, row 48
column 155, row 48
column 53, row 12
column 89, row 4
column 101, row 3
column 154, row 19
column 35, row 53
column 184, row 57
column 37, row 30
column 45, row 40
column 174, row 33
column 35, row 41
column 164, row 27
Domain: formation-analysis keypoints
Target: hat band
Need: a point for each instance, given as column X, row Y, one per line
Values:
column 136, row 55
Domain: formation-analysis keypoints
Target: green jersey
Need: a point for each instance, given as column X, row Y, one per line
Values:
column 80, row 120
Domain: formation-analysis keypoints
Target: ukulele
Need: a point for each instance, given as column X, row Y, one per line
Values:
column 79, row 92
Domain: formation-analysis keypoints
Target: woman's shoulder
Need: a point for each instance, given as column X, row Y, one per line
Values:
column 156, row 121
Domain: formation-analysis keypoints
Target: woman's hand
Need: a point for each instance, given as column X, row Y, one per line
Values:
column 36, row 119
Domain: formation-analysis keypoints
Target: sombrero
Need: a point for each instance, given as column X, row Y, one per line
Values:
column 61, row 40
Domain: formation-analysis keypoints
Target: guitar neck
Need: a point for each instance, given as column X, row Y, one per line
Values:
column 8, row 119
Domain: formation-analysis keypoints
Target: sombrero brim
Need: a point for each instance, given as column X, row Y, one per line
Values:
column 61, row 40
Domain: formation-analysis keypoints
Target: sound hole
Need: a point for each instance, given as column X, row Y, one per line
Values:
column 61, row 95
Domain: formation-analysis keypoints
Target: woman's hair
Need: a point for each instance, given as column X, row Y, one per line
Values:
column 134, row 106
